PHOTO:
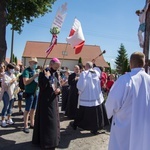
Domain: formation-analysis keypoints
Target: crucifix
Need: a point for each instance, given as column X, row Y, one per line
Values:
column 147, row 37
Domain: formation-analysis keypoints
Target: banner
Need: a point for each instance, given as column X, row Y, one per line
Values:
column 60, row 17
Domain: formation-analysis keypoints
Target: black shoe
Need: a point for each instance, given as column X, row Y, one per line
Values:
column 31, row 127
column 73, row 126
column 95, row 132
column 26, row 130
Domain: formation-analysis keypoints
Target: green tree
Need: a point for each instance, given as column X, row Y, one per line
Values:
column 122, row 63
column 16, row 13
column 113, row 71
column 15, row 60
column 80, row 61
column 109, row 68
column 126, row 67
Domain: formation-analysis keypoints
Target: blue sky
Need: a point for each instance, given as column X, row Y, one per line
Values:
column 106, row 23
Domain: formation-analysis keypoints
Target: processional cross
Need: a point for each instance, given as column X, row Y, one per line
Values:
column 144, row 28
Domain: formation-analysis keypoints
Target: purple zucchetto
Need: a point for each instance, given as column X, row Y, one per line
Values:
column 56, row 60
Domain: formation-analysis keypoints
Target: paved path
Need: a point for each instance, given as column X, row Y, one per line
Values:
column 13, row 138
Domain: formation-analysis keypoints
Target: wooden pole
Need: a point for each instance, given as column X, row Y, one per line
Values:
column 45, row 61
column 64, row 54
column 103, row 52
column 147, row 38
column 47, row 54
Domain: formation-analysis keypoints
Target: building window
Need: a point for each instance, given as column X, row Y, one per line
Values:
column 64, row 53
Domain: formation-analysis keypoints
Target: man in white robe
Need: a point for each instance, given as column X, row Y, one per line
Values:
column 90, row 113
column 129, row 104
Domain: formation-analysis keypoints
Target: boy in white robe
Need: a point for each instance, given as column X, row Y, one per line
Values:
column 129, row 104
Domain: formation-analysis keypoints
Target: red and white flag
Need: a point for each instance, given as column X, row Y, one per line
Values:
column 76, row 37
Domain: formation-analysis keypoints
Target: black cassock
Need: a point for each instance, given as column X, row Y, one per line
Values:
column 47, row 128
column 72, row 103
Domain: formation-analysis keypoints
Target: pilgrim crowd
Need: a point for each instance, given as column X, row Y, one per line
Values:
column 90, row 98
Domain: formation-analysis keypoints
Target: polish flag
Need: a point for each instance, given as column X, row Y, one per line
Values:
column 76, row 37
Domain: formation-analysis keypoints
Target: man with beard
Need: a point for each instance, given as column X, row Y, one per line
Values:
column 46, row 130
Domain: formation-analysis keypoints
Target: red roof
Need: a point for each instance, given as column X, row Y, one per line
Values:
column 89, row 52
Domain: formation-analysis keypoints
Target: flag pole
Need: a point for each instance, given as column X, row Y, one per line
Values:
column 47, row 54
column 45, row 62
column 64, row 54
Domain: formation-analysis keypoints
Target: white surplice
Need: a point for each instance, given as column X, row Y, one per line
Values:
column 89, row 88
column 129, row 104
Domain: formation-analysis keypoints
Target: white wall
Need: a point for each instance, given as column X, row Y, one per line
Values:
column 69, row 63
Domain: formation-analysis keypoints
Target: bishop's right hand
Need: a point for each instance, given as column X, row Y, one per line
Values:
column 47, row 73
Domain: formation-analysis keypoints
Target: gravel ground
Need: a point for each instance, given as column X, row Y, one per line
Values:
column 12, row 137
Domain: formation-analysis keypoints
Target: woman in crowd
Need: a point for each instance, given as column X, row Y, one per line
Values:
column 2, row 71
column 65, row 90
column 21, row 91
column 110, row 82
column 8, row 86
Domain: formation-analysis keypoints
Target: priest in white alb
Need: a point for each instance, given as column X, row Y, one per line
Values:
column 129, row 104
column 90, row 115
